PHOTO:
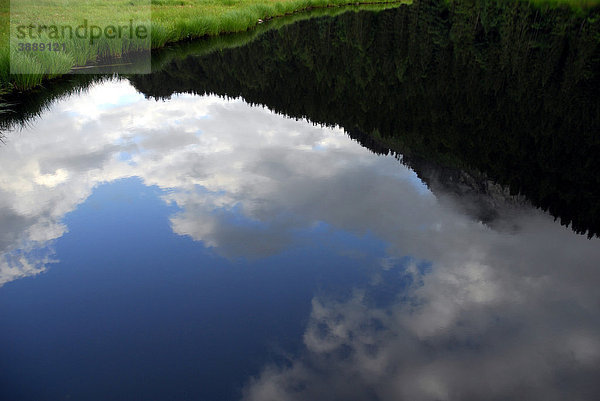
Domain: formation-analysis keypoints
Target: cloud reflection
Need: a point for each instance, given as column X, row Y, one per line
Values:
column 494, row 316
column 480, row 314
column 216, row 159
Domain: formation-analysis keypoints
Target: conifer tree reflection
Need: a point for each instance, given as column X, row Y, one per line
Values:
column 503, row 90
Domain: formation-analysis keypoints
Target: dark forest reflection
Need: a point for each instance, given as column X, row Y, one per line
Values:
column 476, row 89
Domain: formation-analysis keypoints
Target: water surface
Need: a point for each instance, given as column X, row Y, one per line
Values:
column 162, row 242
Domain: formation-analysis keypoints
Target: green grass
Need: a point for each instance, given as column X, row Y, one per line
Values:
column 229, row 41
column 170, row 21
column 41, row 97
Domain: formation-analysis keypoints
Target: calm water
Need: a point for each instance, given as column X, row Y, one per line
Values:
column 365, row 207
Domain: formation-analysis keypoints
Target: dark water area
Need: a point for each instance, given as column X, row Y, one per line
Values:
column 392, row 205
column 507, row 90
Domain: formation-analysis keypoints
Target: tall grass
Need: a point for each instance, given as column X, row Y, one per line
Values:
column 19, row 110
column 171, row 21
column 227, row 41
column 176, row 20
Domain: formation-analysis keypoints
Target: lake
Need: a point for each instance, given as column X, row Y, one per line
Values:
column 391, row 205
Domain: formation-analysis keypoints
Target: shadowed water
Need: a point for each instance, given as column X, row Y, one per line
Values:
column 346, row 208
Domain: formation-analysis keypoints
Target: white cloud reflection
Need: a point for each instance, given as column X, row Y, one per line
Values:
column 216, row 157
column 503, row 320
column 495, row 316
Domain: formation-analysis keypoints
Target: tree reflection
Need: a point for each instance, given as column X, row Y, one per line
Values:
column 502, row 90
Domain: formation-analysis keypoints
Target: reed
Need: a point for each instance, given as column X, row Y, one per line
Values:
column 171, row 21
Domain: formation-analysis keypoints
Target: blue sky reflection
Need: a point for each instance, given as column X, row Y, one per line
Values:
column 328, row 272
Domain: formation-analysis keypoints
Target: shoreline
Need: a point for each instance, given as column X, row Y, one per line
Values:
column 183, row 30
column 13, row 87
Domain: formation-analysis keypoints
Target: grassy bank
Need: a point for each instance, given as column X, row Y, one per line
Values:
column 171, row 21
column 23, row 109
